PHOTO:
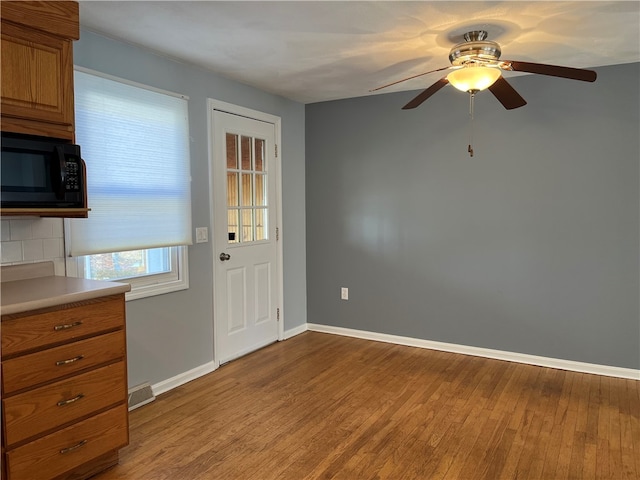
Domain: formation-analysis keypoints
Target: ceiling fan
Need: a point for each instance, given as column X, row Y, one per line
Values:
column 476, row 66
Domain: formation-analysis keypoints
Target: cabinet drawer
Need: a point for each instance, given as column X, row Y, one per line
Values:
column 37, row 331
column 58, row 453
column 30, row 370
column 45, row 408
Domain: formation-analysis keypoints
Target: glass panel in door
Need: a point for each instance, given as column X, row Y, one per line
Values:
column 247, row 205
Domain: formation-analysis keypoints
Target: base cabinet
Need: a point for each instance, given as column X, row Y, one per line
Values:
column 64, row 390
column 64, row 450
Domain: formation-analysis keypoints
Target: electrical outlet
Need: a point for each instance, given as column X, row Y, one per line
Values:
column 202, row 234
column 344, row 293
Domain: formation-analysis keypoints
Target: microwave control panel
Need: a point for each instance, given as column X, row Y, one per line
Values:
column 74, row 172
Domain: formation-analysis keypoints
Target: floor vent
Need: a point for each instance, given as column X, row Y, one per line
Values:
column 140, row 395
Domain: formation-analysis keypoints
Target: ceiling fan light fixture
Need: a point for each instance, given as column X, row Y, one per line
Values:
column 474, row 78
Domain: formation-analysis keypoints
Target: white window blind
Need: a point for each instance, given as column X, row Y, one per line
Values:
column 135, row 142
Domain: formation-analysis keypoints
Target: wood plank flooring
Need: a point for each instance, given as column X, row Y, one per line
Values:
column 321, row 406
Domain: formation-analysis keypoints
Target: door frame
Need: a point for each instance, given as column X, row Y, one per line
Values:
column 218, row 105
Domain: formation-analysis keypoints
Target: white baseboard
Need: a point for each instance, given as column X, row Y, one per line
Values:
column 182, row 378
column 605, row 370
column 570, row 365
column 295, row 331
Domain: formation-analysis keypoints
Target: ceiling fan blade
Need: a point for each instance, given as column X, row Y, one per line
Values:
column 506, row 94
column 417, row 101
column 410, row 78
column 552, row 70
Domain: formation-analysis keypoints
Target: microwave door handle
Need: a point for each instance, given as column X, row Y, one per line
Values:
column 59, row 175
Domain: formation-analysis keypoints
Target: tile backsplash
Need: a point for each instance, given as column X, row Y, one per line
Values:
column 28, row 240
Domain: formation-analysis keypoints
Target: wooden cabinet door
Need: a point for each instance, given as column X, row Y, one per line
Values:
column 37, row 82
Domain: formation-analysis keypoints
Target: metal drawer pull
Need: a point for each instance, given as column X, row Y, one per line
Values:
column 66, row 326
column 75, row 447
column 71, row 360
column 62, row 403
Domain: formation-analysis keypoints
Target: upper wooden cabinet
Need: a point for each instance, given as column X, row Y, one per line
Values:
column 37, row 67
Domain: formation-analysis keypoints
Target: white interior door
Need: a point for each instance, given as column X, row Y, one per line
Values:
column 244, row 235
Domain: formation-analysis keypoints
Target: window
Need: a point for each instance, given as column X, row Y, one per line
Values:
column 150, row 271
column 247, row 209
column 135, row 141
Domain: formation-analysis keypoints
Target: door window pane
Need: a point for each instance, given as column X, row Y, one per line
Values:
column 246, row 153
column 261, row 190
column 233, row 227
column 232, row 151
column 261, row 224
column 247, row 225
column 259, row 143
column 247, row 190
column 232, row 190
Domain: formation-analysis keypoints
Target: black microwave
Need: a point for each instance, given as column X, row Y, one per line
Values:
column 39, row 172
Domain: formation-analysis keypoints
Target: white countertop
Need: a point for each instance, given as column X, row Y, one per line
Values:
column 27, row 294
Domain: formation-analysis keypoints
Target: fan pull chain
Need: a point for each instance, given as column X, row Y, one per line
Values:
column 472, row 97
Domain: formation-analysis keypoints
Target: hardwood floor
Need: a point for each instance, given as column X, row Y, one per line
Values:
column 324, row 406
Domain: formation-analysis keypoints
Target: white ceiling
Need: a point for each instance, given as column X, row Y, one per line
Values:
column 326, row 50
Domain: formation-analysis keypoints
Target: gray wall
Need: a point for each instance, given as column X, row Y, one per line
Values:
column 530, row 246
column 173, row 333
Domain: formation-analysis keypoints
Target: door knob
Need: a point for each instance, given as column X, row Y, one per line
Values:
column 224, row 256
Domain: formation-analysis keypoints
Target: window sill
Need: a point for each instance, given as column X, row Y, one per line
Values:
column 139, row 291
